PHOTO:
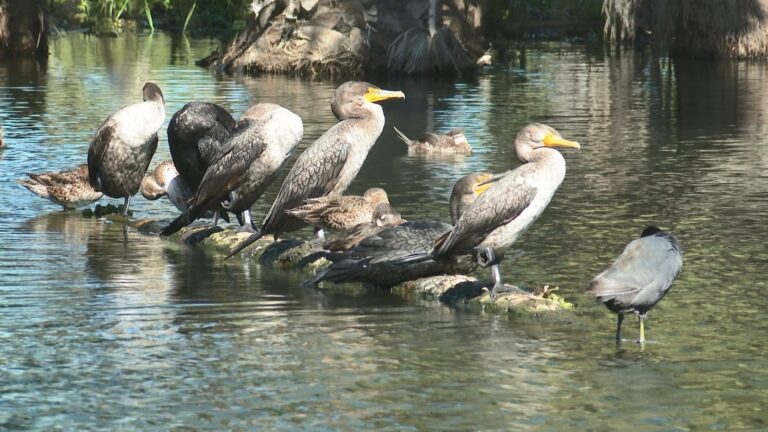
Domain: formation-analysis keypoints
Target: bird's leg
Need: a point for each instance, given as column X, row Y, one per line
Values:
column 618, row 328
column 126, row 204
column 215, row 219
column 641, row 317
column 320, row 233
column 246, row 223
column 486, row 257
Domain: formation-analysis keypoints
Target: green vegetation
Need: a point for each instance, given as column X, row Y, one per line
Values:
column 114, row 16
column 521, row 18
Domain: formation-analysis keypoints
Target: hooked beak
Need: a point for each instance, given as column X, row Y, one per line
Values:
column 376, row 95
column 552, row 140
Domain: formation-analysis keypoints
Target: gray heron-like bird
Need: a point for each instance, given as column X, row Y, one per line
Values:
column 328, row 166
column 513, row 201
column 123, row 146
column 246, row 165
column 385, row 258
column 640, row 277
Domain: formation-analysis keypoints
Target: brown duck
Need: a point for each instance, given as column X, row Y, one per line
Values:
column 340, row 212
column 69, row 188
column 452, row 143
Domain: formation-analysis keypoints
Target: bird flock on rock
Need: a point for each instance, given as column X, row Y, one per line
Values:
column 221, row 166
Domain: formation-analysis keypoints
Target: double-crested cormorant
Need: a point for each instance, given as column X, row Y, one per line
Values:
column 69, row 189
column 640, row 277
column 340, row 212
column 246, row 165
column 196, row 133
column 513, row 201
column 453, row 142
column 165, row 180
column 329, row 165
column 385, row 259
column 124, row 144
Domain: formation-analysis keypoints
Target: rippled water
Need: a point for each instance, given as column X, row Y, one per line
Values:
column 103, row 328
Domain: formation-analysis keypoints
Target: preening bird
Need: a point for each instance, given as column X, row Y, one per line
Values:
column 640, row 277
column 124, row 144
column 246, row 165
column 69, row 188
column 328, row 166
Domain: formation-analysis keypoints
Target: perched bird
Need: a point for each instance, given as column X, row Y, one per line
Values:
column 453, row 142
column 124, row 144
column 196, row 133
column 340, row 212
column 513, row 201
column 246, row 165
column 385, row 258
column 165, row 180
column 640, row 277
column 328, row 166
column 69, row 189
column 384, row 216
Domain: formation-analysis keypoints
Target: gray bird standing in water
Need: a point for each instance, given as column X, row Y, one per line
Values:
column 247, row 164
column 123, row 146
column 511, row 204
column 328, row 166
column 640, row 277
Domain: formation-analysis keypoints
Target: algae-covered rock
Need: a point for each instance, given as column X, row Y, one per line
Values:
column 459, row 290
column 294, row 253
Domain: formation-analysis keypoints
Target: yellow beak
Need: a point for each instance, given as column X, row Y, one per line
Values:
column 376, row 94
column 483, row 183
column 552, row 140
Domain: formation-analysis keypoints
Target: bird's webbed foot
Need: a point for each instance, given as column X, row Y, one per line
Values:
column 247, row 228
column 498, row 288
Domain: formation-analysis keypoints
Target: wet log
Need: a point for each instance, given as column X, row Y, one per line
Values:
column 453, row 290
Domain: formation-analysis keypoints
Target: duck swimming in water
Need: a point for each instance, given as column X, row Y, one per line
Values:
column 124, row 144
column 640, row 277
column 337, row 213
column 384, row 259
column 247, row 163
column 452, row 143
column 69, row 188
column 328, row 166
column 512, row 203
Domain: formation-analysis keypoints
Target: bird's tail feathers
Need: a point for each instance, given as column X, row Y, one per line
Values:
column 404, row 138
column 180, row 222
column 441, row 245
column 250, row 240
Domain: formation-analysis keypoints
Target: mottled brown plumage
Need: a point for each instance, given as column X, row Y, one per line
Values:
column 342, row 212
column 454, row 142
column 384, row 216
column 69, row 188
column 124, row 144
column 402, row 252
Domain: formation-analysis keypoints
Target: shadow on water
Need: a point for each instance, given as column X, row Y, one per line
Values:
column 104, row 327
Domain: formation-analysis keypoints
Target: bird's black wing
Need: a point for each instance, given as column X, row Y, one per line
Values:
column 97, row 150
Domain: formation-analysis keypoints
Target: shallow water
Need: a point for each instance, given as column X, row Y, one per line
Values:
column 105, row 328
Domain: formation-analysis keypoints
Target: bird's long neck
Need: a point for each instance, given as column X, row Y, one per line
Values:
column 549, row 162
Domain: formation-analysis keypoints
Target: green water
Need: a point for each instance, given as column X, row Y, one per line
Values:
column 106, row 329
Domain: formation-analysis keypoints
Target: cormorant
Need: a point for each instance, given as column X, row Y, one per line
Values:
column 124, row 144
column 513, row 201
column 246, row 165
column 329, row 165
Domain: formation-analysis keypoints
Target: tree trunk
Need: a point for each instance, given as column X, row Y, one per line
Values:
column 23, row 28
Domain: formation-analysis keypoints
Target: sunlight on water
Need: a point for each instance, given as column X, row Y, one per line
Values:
column 103, row 327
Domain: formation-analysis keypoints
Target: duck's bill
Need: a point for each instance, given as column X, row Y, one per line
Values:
column 376, row 95
column 552, row 140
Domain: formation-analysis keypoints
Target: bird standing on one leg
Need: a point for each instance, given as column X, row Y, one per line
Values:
column 640, row 277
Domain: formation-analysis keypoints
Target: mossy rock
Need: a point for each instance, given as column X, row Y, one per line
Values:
column 294, row 254
column 459, row 290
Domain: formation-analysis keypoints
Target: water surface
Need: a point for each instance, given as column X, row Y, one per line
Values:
column 105, row 328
